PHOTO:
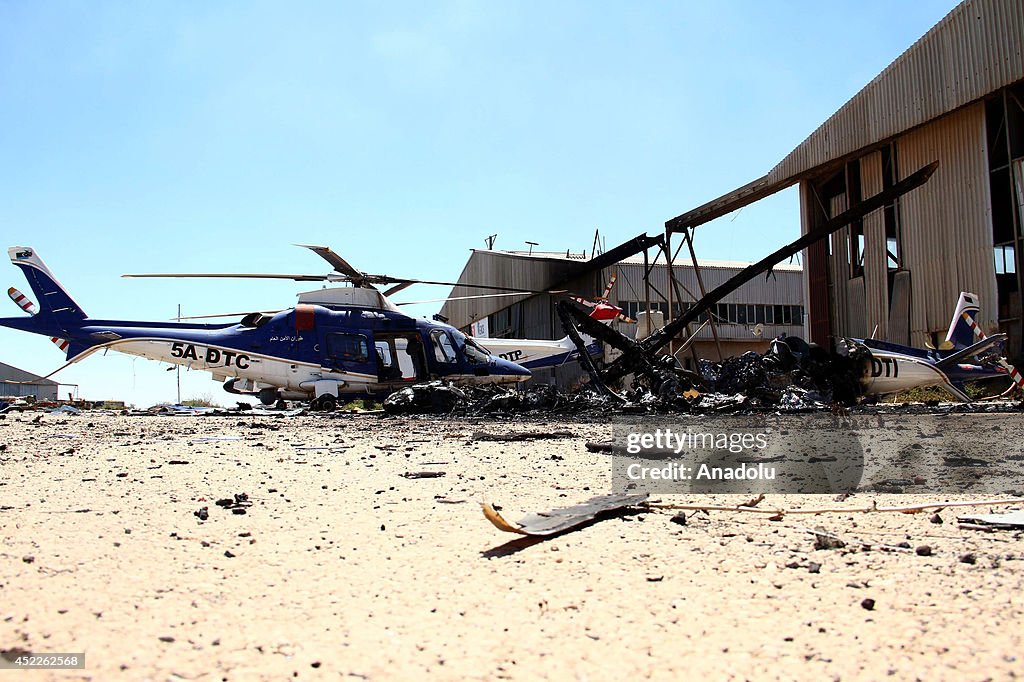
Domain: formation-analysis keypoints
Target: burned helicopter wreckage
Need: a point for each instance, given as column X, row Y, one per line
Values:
column 792, row 373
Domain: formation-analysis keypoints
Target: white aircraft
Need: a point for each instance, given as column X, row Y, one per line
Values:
column 540, row 354
column 966, row 354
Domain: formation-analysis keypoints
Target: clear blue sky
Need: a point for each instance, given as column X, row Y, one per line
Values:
column 189, row 136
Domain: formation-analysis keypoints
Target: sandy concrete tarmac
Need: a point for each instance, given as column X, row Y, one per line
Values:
column 342, row 568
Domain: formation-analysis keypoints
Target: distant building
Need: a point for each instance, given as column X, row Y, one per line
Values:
column 36, row 387
column 745, row 319
column 955, row 96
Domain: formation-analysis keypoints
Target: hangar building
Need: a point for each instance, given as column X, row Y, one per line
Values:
column 956, row 96
column 11, row 385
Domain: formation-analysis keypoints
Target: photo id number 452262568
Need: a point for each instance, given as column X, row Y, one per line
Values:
column 25, row 661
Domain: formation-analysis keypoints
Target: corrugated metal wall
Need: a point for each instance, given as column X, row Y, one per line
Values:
column 977, row 49
column 899, row 309
column 876, row 263
column 39, row 392
column 840, row 266
column 500, row 269
column 783, row 287
column 945, row 236
column 946, row 224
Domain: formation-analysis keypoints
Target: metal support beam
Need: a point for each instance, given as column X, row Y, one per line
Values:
column 647, row 287
column 700, row 284
column 667, row 245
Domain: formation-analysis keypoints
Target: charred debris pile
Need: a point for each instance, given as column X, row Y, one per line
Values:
column 791, row 376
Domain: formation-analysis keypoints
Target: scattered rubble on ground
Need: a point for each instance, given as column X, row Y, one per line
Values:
column 1010, row 520
column 558, row 521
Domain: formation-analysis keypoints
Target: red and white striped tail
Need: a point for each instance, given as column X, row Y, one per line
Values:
column 975, row 327
column 23, row 301
column 980, row 335
column 26, row 304
column 1014, row 374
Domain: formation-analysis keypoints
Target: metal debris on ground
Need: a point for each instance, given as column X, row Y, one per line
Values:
column 433, row 396
column 1011, row 520
column 438, row 397
column 423, row 474
column 556, row 521
column 778, row 381
column 237, row 504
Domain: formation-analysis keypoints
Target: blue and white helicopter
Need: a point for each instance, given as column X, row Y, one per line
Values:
column 336, row 344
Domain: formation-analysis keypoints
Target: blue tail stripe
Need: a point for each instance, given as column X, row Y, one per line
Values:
column 50, row 296
column 963, row 335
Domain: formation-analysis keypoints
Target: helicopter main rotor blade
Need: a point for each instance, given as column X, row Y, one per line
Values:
column 381, row 279
column 462, row 298
column 241, row 275
column 395, row 289
column 336, row 261
column 215, row 315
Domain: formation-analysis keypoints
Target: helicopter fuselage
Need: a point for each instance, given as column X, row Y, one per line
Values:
column 310, row 350
column 306, row 352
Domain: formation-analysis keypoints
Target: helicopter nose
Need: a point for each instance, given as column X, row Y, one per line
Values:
column 509, row 370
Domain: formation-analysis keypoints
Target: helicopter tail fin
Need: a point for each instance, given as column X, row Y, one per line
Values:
column 57, row 316
column 54, row 301
column 963, row 328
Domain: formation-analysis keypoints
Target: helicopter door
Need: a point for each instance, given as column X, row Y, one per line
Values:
column 350, row 353
column 387, row 360
column 444, row 351
column 409, row 356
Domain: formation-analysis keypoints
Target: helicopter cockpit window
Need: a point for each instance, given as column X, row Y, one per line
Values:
column 474, row 353
column 347, row 347
column 444, row 351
